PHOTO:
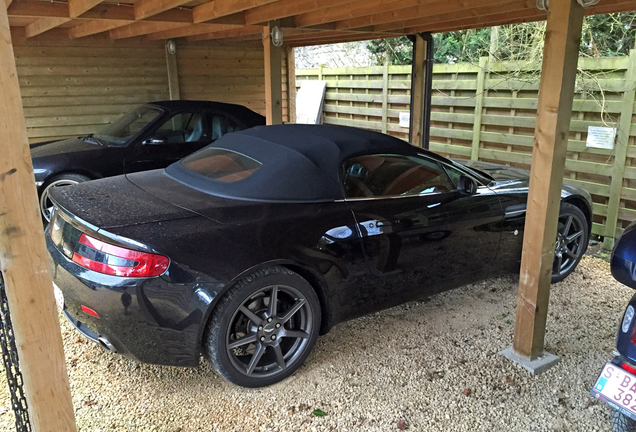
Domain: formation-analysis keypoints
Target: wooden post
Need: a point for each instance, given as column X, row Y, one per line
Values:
column 622, row 141
column 385, row 97
column 173, row 72
column 556, row 93
column 418, row 86
column 24, row 262
column 273, row 79
column 291, row 84
column 479, row 107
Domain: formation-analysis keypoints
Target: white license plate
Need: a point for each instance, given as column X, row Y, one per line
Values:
column 59, row 297
column 617, row 387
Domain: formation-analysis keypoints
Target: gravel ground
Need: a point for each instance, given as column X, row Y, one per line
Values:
column 425, row 366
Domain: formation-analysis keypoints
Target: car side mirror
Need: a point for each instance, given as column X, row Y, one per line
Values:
column 156, row 141
column 466, row 186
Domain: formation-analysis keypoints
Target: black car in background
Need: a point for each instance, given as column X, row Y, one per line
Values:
column 152, row 136
column 249, row 248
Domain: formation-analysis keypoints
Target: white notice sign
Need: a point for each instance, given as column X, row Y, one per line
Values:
column 601, row 137
column 309, row 102
column 405, row 119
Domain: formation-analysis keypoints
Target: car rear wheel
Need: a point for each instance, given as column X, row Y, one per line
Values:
column 622, row 423
column 571, row 242
column 264, row 328
column 46, row 206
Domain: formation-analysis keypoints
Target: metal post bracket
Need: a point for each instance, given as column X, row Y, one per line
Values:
column 545, row 4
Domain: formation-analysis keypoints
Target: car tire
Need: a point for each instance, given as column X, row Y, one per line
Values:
column 255, row 342
column 57, row 181
column 571, row 243
column 622, row 423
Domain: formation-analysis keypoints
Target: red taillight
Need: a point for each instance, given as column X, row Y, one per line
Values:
column 89, row 311
column 629, row 368
column 113, row 260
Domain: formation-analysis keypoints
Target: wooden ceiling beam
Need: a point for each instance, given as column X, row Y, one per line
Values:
column 94, row 27
column 215, row 9
column 353, row 9
column 479, row 14
column 147, row 8
column 350, row 38
column 420, row 9
column 191, row 30
column 143, row 28
column 78, row 7
column 103, row 11
column 43, row 25
column 287, row 8
column 243, row 31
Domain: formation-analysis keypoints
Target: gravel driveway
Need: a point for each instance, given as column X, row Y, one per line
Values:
column 426, row 366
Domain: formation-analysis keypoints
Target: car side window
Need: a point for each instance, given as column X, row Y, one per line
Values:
column 184, row 128
column 388, row 175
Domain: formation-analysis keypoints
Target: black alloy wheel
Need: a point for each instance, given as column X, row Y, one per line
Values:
column 264, row 328
column 571, row 241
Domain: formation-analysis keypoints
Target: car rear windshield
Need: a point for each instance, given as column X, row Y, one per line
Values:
column 221, row 164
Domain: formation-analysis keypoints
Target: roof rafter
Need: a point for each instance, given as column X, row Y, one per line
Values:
column 43, row 25
column 8, row 3
column 287, row 8
column 215, row 9
column 243, row 31
column 94, row 27
column 191, row 30
column 147, row 8
column 143, row 28
column 78, row 7
column 353, row 9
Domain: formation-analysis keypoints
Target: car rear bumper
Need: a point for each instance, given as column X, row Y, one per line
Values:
column 148, row 319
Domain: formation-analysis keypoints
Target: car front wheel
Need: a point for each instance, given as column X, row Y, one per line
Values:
column 46, row 206
column 571, row 242
column 264, row 328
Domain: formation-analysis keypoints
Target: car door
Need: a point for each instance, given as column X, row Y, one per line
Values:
column 177, row 137
column 420, row 234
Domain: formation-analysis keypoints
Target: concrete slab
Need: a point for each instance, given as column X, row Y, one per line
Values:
column 536, row 366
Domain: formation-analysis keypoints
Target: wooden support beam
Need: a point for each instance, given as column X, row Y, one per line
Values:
column 287, row 8
column 620, row 157
column 43, row 25
column 94, row 27
column 25, row 263
column 173, row 72
column 291, row 84
column 273, row 79
column 143, row 28
column 479, row 107
column 215, row 9
column 191, row 30
column 78, row 7
column 556, row 94
column 418, row 87
column 147, row 8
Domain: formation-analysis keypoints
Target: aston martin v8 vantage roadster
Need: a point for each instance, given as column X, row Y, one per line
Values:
column 250, row 248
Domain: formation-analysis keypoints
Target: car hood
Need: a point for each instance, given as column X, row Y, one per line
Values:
column 71, row 145
column 498, row 172
column 516, row 180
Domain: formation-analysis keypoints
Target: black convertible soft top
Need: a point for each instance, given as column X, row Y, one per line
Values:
column 299, row 162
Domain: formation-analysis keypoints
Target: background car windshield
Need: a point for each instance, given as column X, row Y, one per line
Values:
column 393, row 175
column 120, row 132
column 221, row 164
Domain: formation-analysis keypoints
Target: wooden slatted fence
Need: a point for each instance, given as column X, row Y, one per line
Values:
column 487, row 112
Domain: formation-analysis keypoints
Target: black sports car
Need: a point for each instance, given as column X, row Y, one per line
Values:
column 251, row 247
column 152, row 136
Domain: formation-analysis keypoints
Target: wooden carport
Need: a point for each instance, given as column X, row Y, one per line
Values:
column 304, row 22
